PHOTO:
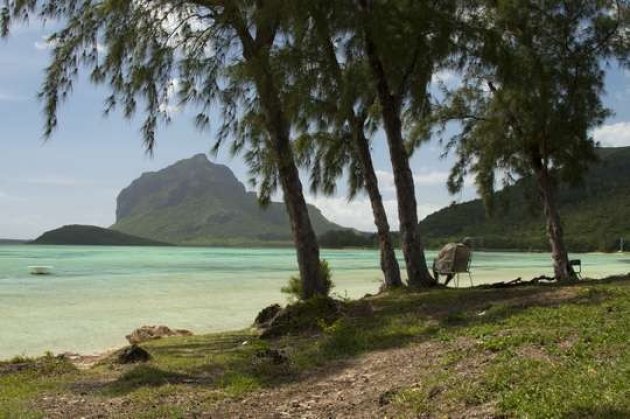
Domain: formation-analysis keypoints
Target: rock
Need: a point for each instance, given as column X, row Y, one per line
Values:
column 146, row 333
column 266, row 315
column 303, row 317
column 133, row 354
column 209, row 204
column 275, row 356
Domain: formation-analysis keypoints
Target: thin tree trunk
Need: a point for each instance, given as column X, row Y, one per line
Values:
column 255, row 52
column 304, row 237
column 412, row 247
column 389, row 263
column 562, row 270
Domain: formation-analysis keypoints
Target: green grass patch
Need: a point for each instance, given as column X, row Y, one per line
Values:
column 526, row 352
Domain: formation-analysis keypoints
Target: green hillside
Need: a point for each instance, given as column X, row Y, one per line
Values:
column 595, row 214
column 196, row 202
column 11, row 241
column 92, row 235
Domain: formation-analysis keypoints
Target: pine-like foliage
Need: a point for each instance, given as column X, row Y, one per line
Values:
column 205, row 54
column 534, row 78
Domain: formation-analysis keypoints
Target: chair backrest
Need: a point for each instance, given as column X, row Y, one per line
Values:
column 463, row 256
column 577, row 263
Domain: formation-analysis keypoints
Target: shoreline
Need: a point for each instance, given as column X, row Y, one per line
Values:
column 453, row 343
column 88, row 360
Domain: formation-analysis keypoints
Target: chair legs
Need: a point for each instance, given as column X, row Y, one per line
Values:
column 456, row 280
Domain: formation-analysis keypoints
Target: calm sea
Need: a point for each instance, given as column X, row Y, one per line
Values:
column 96, row 295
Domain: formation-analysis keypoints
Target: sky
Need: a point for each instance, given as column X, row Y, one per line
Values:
column 75, row 177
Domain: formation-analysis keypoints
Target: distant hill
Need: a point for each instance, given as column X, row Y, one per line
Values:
column 92, row 235
column 196, row 202
column 595, row 214
column 12, row 241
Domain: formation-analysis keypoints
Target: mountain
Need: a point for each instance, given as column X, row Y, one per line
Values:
column 12, row 241
column 196, row 202
column 595, row 214
column 92, row 235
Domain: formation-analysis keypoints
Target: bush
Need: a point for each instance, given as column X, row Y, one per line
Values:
column 294, row 287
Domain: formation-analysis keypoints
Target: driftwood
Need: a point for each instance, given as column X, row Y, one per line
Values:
column 520, row 282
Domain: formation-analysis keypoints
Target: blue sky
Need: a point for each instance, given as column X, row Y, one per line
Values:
column 76, row 176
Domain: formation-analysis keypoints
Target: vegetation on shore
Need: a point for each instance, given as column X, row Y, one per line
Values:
column 93, row 235
column 594, row 213
column 537, row 351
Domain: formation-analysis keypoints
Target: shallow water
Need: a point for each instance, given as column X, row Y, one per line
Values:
column 96, row 295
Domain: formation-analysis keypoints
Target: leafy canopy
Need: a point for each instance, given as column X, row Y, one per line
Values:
column 534, row 77
column 160, row 54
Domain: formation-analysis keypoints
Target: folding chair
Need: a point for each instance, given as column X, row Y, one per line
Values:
column 576, row 265
column 458, row 264
column 463, row 265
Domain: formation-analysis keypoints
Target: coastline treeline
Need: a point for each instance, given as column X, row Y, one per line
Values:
column 306, row 84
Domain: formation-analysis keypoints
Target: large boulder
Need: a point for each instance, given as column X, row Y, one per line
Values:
column 132, row 354
column 303, row 317
column 266, row 315
column 146, row 333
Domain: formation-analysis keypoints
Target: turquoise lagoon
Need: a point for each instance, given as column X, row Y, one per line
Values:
column 97, row 295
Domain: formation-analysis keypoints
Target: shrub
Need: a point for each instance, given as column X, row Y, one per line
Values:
column 294, row 287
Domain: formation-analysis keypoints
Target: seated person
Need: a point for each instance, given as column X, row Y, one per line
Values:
column 452, row 259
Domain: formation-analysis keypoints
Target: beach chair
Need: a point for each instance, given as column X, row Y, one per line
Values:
column 458, row 262
column 576, row 264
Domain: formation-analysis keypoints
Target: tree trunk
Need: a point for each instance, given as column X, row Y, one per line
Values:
column 562, row 270
column 304, row 237
column 417, row 272
column 389, row 264
column 256, row 53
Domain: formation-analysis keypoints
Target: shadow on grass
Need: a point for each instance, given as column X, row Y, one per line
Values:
column 599, row 412
column 399, row 318
column 143, row 376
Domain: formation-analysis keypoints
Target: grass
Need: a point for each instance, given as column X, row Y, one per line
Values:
column 544, row 351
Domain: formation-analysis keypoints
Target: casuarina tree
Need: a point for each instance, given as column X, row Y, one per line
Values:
column 405, row 43
column 336, row 121
column 531, row 94
column 205, row 53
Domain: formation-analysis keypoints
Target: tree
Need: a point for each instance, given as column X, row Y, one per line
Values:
column 532, row 92
column 405, row 42
column 334, row 134
column 218, row 52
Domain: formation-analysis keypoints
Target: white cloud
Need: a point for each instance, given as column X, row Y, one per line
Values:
column 432, row 178
column 613, row 135
column 358, row 212
column 447, row 77
column 168, row 105
column 45, row 43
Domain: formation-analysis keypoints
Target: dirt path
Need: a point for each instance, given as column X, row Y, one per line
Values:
column 359, row 389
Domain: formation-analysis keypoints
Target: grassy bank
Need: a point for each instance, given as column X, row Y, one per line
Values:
column 538, row 351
